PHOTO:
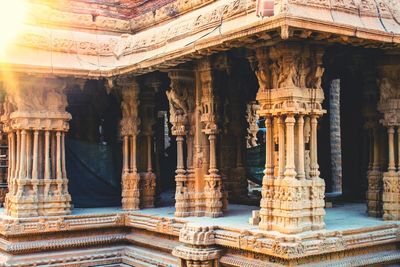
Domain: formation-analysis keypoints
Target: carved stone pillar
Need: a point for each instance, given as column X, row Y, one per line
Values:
column 34, row 117
column 371, row 124
column 129, row 131
column 335, row 138
column 209, row 116
column 180, row 110
column 290, row 93
column 148, row 119
column 267, row 191
column 199, row 249
column 389, row 105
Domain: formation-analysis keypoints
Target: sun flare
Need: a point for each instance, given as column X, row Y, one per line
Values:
column 12, row 17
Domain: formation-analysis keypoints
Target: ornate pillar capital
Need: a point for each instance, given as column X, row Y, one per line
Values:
column 181, row 104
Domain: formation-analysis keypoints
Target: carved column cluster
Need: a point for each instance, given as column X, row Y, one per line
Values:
column 389, row 106
column 199, row 249
column 290, row 97
column 193, row 115
column 129, row 131
column 148, row 119
column 209, row 105
column 36, row 122
column 376, row 135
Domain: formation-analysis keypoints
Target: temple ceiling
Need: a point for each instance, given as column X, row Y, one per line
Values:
column 104, row 38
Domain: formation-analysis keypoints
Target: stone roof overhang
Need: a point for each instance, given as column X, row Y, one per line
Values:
column 218, row 26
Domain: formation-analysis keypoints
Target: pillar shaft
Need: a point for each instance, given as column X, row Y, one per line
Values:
column 314, row 170
column 300, row 136
column 290, row 165
column 281, row 145
column 335, row 137
column 392, row 163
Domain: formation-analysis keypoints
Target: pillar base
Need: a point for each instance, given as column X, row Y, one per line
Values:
column 391, row 196
column 147, row 189
column 29, row 202
column 292, row 206
column 213, row 196
column 374, row 194
column 130, row 191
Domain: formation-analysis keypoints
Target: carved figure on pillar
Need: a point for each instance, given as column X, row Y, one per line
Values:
column 290, row 100
column 129, row 131
column 36, row 123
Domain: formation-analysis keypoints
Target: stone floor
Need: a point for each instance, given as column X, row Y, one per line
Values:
column 341, row 217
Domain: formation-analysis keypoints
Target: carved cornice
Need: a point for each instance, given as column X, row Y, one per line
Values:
column 41, row 14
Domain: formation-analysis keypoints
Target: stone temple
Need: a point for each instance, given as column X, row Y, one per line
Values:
column 200, row 133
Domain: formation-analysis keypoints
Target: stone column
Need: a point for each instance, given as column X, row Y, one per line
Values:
column 290, row 172
column 289, row 76
column 336, row 149
column 389, row 106
column 148, row 119
column 268, row 179
column 179, row 114
column 129, row 131
column 209, row 117
column 34, row 113
column 374, row 131
column 374, row 175
column 301, row 151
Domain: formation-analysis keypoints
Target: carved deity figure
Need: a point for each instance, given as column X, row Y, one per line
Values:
column 177, row 102
column 129, row 104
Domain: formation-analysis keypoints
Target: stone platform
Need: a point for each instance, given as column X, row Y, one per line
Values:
column 112, row 237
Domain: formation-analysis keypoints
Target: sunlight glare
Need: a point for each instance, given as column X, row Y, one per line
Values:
column 12, row 16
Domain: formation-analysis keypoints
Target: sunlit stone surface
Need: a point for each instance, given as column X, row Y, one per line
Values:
column 131, row 131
